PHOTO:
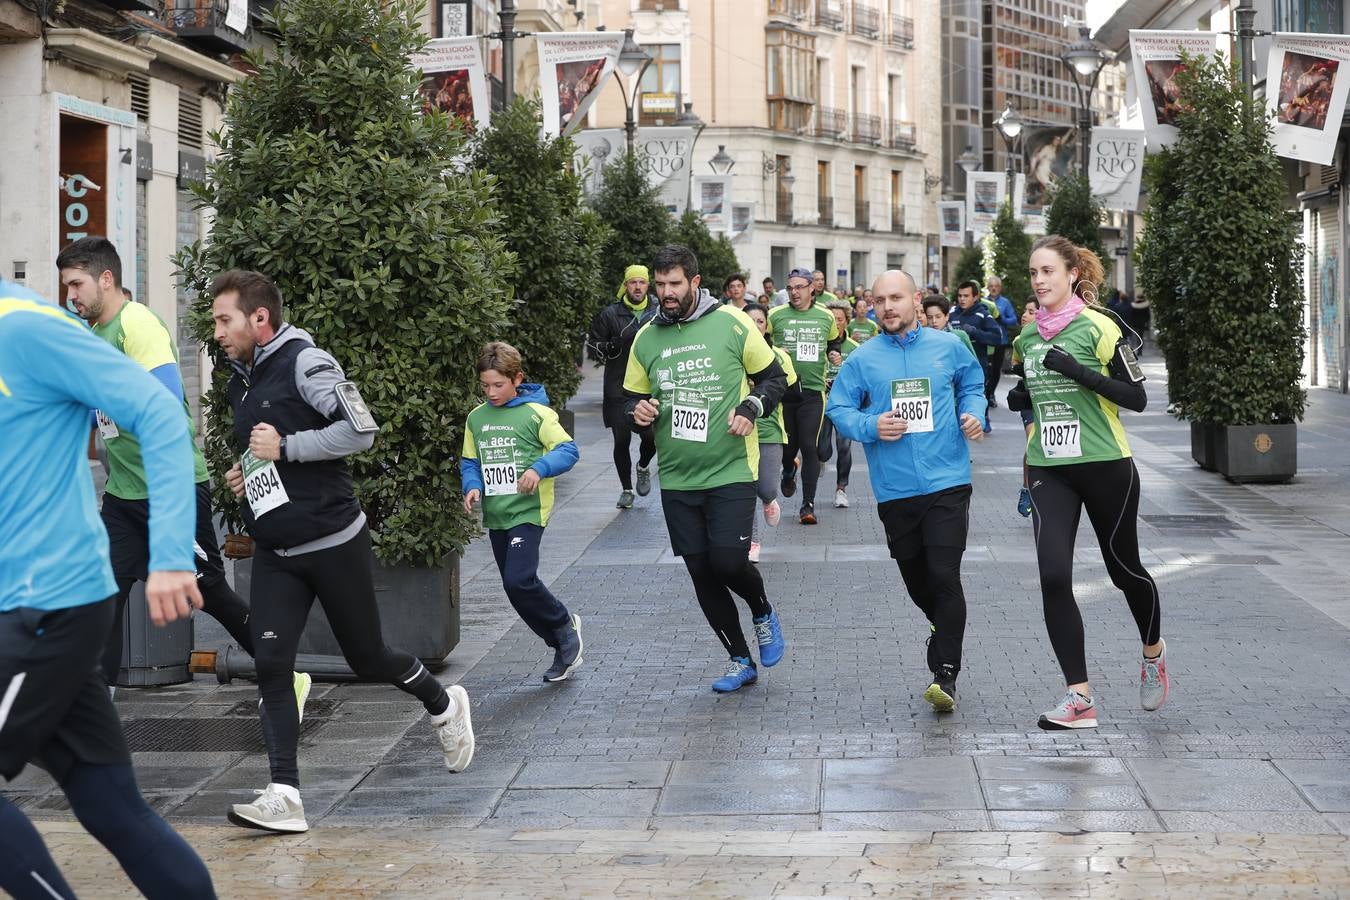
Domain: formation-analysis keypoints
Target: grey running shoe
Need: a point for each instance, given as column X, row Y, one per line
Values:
column 567, row 655
column 456, row 731
column 644, row 481
column 1153, row 684
column 272, row 811
column 625, row 500
column 1074, row 711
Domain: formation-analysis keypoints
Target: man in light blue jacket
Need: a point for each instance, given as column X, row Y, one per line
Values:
column 911, row 397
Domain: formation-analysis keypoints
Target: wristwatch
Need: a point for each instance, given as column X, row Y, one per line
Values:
column 283, row 447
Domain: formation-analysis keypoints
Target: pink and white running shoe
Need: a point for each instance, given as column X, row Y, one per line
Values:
column 1074, row 711
column 1153, row 685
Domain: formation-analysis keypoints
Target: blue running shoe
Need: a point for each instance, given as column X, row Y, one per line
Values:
column 740, row 672
column 1024, row 503
column 769, row 635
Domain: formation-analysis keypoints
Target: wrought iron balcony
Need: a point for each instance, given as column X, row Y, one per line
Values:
column 898, row 219
column 830, row 122
column 783, row 210
column 140, row 6
column 902, row 135
column 825, row 207
column 866, row 20
column 830, row 14
column 862, row 214
column 797, row 10
column 202, row 22
column 902, row 32
column 866, row 129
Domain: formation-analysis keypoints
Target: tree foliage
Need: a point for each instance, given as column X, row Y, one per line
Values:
column 332, row 181
column 969, row 267
column 557, row 240
column 1225, row 240
column 1076, row 214
column 637, row 217
column 716, row 256
column 1009, row 249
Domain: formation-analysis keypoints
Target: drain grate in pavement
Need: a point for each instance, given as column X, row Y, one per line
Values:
column 238, row 729
column 1193, row 524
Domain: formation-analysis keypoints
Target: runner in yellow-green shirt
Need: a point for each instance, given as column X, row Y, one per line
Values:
column 831, row 443
column 772, row 436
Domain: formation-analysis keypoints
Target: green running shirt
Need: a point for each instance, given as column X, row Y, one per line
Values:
column 1073, row 424
column 861, row 329
column 847, row 347
column 140, row 334
column 804, row 335
column 506, row 441
column 697, row 372
column 770, row 427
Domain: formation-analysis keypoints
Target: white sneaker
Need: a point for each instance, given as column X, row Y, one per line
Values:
column 272, row 811
column 773, row 513
column 754, row 551
column 840, row 499
column 456, row 732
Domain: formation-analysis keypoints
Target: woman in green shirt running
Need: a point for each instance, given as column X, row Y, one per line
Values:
column 1079, row 371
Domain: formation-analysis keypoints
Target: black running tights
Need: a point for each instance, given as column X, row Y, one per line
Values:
column 933, row 580
column 1109, row 491
column 803, row 419
column 283, row 588
column 623, row 457
column 713, row 572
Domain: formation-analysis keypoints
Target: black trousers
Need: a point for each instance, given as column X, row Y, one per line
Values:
column 803, row 419
column 994, row 372
column 1109, row 491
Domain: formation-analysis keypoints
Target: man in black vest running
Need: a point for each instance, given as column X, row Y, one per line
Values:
column 296, row 417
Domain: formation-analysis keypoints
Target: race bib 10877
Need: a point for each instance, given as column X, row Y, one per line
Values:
column 1061, row 431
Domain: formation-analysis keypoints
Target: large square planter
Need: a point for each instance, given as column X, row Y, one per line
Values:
column 1202, row 445
column 1256, row 453
column 419, row 610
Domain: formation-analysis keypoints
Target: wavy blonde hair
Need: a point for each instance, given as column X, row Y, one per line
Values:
column 1091, row 273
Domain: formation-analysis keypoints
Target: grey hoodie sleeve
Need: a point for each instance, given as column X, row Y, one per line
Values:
column 317, row 375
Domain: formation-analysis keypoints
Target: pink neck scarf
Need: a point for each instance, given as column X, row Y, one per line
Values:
column 1050, row 323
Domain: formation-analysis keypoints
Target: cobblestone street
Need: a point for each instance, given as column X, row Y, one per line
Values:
column 831, row 776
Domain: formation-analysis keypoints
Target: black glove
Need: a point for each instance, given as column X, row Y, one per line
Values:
column 1057, row 359
column 1019, row 398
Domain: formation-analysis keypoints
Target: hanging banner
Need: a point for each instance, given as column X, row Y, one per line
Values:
column 454, row 81
column 665, row 151
column 1049, row 153
column 742, row 220
column 236, row 16
column 712, row 193
column 952, row 221
column 573, row 67
column 1157, row 62
column 1115, row 166
column 1308, row 107
column 1019, row 200
column 985, row 193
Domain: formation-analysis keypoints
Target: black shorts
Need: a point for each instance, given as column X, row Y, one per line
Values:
column 128, row 525
column 929, row 520
column 716, row 517
column 54, row 705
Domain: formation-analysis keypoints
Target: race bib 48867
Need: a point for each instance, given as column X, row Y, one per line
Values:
column 912, row 400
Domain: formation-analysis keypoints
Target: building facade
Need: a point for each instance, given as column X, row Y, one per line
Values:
column 107, row 110
column 826, row 109
column 1320, row 194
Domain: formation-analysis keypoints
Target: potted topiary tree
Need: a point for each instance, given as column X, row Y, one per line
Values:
column 557, row 241
column 1231, row 249
column 331, row 180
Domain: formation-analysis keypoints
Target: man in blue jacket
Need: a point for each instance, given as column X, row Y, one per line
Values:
column 973, row 317
column 909, row 396
column 57, row 591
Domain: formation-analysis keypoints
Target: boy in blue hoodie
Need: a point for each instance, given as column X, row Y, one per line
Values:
column 513, row 449
column 909, row 396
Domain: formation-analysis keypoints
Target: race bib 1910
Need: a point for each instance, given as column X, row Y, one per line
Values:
column 499, row 479
column 689, row 416
column 808, row 351
column 107, row 428
column 1061, row 431
column 262, row 485
column 912, row 400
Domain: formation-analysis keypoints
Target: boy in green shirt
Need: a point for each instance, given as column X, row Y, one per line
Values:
column 513, row 449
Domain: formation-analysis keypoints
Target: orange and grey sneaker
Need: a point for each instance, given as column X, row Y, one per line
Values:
column 1153, row 683
column 1074, row 711
column 807, row 516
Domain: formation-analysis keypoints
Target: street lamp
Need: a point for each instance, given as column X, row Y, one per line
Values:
column 1084, row 60
column 721, row 163
column 633, row 62
column 1009, row 124
column 968, row 161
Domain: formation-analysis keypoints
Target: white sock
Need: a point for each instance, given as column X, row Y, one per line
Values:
column 449, row 710
column 285, row 790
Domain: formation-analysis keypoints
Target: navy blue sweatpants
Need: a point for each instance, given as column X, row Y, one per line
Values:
column 517, row 553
